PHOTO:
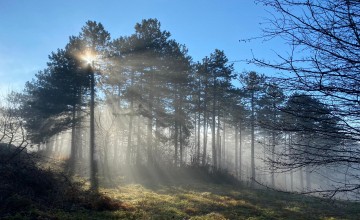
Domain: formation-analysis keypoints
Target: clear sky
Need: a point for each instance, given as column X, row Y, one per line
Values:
column 31, row 30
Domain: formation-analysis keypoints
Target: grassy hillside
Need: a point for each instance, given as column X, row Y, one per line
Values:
column 30, row 192
column 205, row 201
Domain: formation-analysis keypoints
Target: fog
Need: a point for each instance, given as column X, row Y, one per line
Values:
column 138, row 109
column 112, row 135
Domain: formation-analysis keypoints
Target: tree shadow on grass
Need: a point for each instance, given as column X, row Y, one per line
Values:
column 29, row 191
column 216, row 201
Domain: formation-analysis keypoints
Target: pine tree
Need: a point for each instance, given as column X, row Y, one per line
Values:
column 253, row 88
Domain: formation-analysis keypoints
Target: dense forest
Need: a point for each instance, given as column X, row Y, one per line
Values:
column 139, row 108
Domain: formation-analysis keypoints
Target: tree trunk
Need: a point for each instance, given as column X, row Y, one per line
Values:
column 223, row 146
column 218, row 142
column 291, row 171
column 205, row 138
column 213, row 143
column 198, row 139
column 240, row 153
column 198, row 119
column 149, row 139
column 273, row 159
column 273, row 148
column 138, row 141
column 149, row 129
column 213, row 137
column 181, row 146
column 213, row 126
column 73, row 143
column 129, row 141
column 93, row 162
column 176, row 142
column 181, row 129
column 252, row 183
column 236, row 152
column 79, row 139
column 301, row 179
column 308, row 177
column 195, row 158
column 157, row 141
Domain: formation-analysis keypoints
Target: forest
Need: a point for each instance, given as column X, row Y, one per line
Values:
column 116, row 123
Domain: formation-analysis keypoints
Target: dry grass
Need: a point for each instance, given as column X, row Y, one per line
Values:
column 29, row 192
column 212, row 201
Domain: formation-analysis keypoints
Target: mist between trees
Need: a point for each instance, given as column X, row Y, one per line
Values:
column 155, row 110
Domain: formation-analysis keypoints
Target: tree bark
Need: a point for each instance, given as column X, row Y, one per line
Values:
column 176, row 141
column 236, row 152
column 308, row 177
column 301, row 179
column 149, row 137
column 198, row 139
column 252, row 182
column 181, row 146
column 223, row 146
column 218, row 143
column 213, row 143
column 129, row 139
column 213, row 135
column 93, row 162
column 240, row 153
column 204, row 162
column 138, row 140
column 73, row 143
column 195, row 158
column 273, row 159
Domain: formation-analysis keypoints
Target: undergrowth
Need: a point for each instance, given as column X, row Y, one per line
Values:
column 30, row 191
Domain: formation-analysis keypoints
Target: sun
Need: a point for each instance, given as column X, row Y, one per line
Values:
column 88, row 57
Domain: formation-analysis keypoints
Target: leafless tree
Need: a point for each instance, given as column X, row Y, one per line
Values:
column 324, row 61
column 12, row 133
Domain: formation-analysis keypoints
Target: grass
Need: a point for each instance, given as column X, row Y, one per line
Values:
column 211, row 201
column 203, row 201
column 29, row 192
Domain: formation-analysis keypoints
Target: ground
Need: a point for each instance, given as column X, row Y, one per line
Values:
column 202, row 201
column 30, row 191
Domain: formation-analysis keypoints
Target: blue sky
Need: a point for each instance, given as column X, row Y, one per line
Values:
column 31, row 30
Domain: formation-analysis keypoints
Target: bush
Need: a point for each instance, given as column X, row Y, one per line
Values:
column 25, row 187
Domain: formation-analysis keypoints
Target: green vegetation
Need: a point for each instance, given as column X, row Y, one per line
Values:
column 200, row 202
column 33, row 189
column 211, row 201
column 169, row 201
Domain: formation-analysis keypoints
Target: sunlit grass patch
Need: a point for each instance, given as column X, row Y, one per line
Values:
column 211, row 201
column 199, row 201
column 210, row 216
column 293, row 208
